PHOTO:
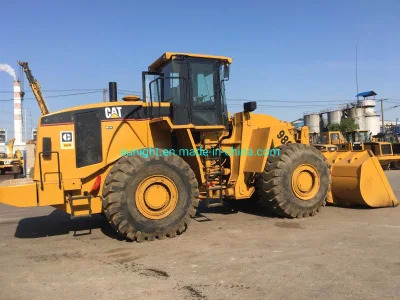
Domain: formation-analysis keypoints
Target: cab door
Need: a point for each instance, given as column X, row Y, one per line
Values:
column 204, row 99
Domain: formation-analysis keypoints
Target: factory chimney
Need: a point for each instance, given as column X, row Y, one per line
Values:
column 17, row 113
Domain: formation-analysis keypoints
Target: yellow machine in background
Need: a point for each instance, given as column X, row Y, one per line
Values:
column 332, row 137
column 7, row 161
column 359, row 140
column 146, row 163
column 326, row 147
column 328, row 141
column 384, row 152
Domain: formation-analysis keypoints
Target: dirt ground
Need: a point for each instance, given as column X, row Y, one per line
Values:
column 227, row 253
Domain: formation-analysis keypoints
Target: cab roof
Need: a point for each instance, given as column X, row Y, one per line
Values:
column 168, row 55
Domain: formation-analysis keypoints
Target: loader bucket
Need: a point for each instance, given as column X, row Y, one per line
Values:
column 358, row 179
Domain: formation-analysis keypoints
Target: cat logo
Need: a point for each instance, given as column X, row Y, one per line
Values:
column 66, row 140
column 113, row 112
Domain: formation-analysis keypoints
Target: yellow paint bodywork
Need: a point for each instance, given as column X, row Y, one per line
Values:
column 256, row 132
column 358, row 179
column 19, row 192
column 167, row 56
column 249, row 130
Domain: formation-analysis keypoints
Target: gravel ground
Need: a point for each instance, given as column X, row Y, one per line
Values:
column 231, row 252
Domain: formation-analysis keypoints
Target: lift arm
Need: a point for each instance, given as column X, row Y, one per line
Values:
column 35, row 88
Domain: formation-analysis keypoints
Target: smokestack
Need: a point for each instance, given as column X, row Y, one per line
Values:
column 112, row 87
column 17, row 113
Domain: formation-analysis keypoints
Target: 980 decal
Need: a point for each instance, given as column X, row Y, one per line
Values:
column 283, row 137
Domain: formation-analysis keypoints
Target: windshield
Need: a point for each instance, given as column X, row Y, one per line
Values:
column 362, row 136
column 202, row 80
column 335, row 138
column 324, row 139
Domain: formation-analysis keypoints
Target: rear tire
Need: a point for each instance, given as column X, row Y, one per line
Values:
column 295, row 184
column 134, row 180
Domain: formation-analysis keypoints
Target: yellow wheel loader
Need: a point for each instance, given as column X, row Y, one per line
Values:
column 147, row 162
column 384, row 152
column 328, row 141
column 360, row 140
column 8, row 161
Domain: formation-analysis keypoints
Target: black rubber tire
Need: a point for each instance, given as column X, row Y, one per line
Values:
column 119, row 191
column 276, row 184
column 396, row 165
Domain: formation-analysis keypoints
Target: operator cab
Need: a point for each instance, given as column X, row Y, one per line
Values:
column 358, row 138
column 193, row 84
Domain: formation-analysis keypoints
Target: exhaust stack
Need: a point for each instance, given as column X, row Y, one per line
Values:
column 112, row 87
column 17, row 113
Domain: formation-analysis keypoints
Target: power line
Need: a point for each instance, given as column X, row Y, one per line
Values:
column 278, row 106
column 129, row 91
column 57, row 96
column 52, row 91
column 389, row 108
column 293, row 101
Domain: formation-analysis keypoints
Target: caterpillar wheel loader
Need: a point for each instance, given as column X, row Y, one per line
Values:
column 7, row 161
column 327, row 141
column 360, row 140
column 145, row 163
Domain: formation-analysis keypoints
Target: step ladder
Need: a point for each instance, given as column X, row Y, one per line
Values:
column 73, row 207
column 213, row 172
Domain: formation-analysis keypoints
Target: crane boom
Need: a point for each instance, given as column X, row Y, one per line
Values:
column 35, row 86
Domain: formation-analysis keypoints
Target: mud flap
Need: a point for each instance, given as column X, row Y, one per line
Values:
column 358, row 179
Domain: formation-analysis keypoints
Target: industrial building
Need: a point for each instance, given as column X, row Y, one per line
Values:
column 34, row 134
column 362, row 111
column 3, row 140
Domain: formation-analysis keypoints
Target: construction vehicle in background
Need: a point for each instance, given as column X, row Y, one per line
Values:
column 328, row 141
column 356, row 139
column 332, row 137
column 396, row 151
column 360, row 140
column 35, row 86
column 384, row 152
column 10, row 159
column 147, row 162
column 326, row 147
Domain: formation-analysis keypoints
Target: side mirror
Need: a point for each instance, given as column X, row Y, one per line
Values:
column 249, row 106
column 46, row 147
column 226, row 71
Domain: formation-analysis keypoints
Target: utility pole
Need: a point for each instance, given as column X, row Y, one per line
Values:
column 104, row 95
column 383, row 118
column 26, row 139
column 357, row 69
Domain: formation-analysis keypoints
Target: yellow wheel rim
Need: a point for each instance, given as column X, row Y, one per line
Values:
column 156, row 197
column 305, row 182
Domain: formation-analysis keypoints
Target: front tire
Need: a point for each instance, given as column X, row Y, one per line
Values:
column 149, row 198
column 295, row 184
